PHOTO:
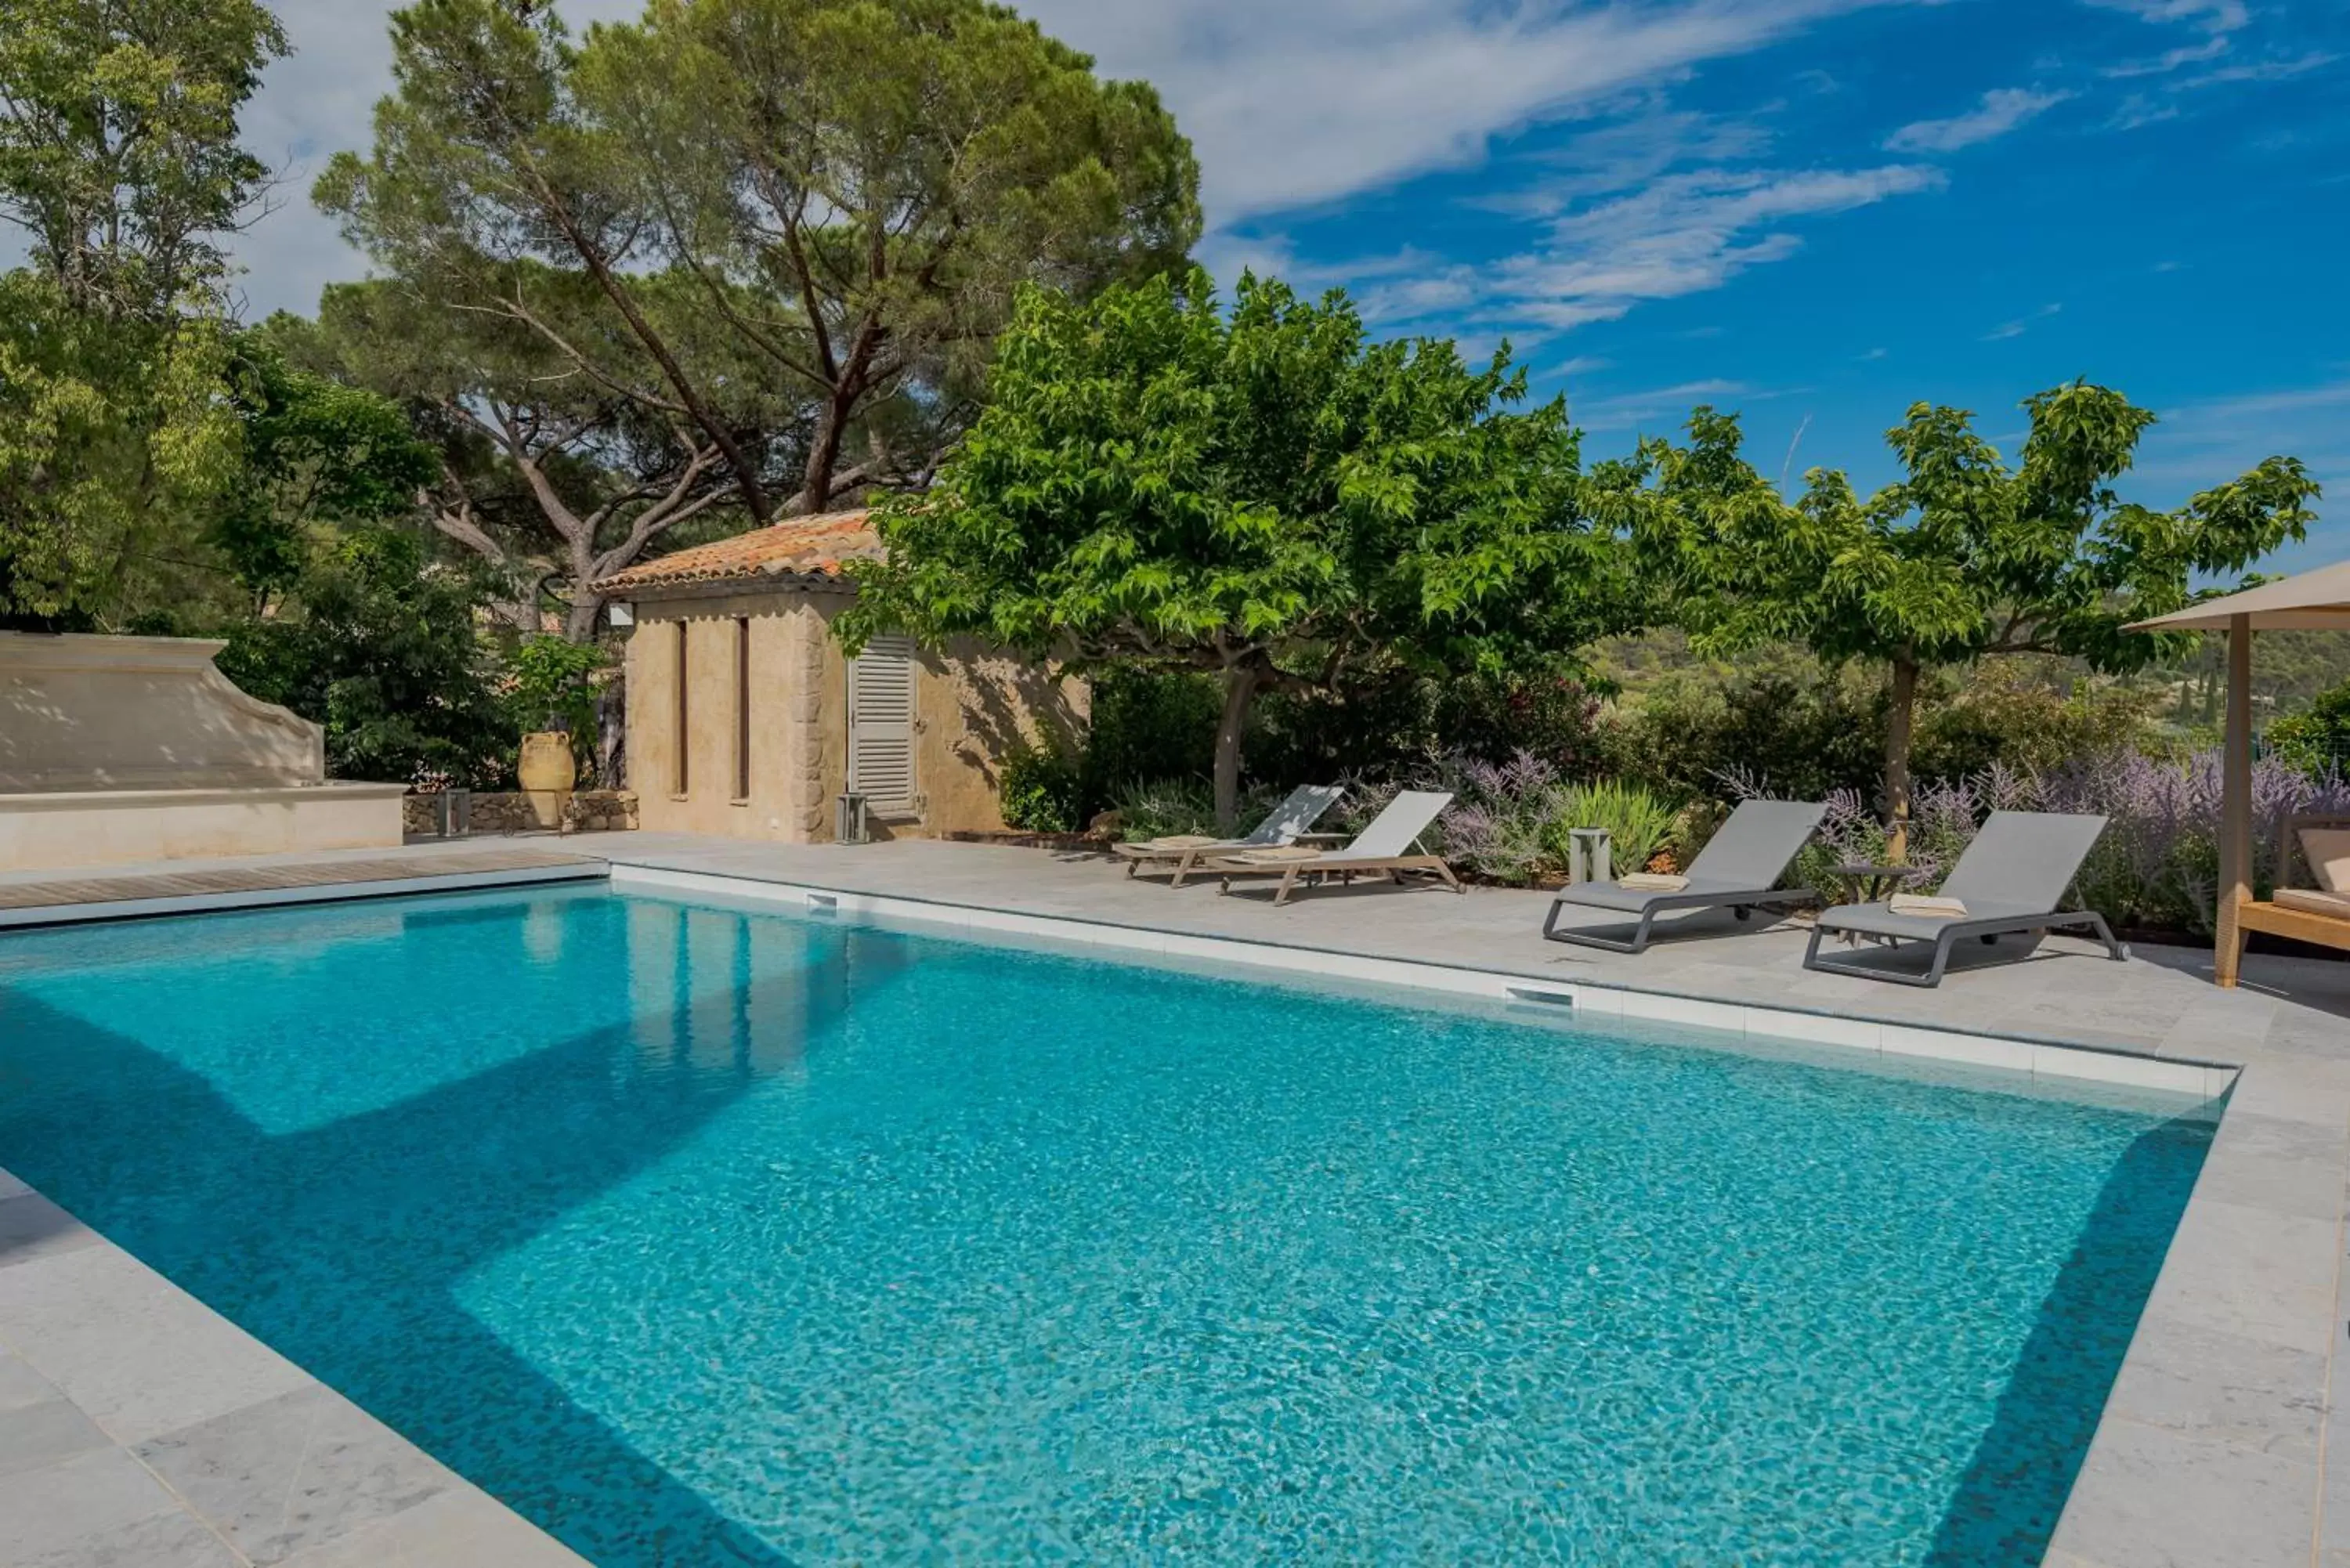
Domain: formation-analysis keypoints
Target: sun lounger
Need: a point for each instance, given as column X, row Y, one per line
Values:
column 1286, row 822
column 1738, row 868
column 2009, row 879
column 1390, row 844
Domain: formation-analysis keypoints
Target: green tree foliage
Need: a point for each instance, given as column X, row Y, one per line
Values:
column 120, row 168
column 2317, row 739
column 117, row 143
column 553, row 479
column 115, row 436
column 383, row 651
column 1261, row 494
column 1963, row 559
column 850, row 189
column 315, row 453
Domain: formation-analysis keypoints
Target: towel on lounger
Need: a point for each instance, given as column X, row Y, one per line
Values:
column 1185, row 841
column 1653, row 882
column 1275, row 856
column 1926, row 907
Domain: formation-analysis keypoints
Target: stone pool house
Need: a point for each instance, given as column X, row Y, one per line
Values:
column 745, row 719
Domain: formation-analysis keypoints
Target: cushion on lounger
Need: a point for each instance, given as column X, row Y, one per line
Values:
column 1927, row 907
column 2328, row 851
column 2335, row 904
column 1652, row 882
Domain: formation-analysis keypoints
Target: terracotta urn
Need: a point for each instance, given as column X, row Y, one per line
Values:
column 546, row 772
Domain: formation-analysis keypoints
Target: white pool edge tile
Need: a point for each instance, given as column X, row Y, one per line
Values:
column 2039, row 1060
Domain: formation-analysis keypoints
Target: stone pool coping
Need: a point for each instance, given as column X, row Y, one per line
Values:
column 2222, row 1442
column 140, row 1428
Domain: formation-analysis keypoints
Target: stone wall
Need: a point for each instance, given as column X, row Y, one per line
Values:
column 589, row 811
column 972, row 706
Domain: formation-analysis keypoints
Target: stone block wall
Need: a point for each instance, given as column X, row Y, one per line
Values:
column 589, row 811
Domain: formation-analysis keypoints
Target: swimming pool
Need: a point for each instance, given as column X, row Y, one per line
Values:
column 704, row 1235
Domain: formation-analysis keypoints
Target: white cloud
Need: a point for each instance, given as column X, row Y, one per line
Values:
column 1309, row 101
column 1289, row 106
column 2273, row 69
column 312, row 105
column 2007, row 329
column 2198, row 444
column 1682, row 234
column 1661, row 408
column 2137, row 109
column 2169, row 60
column 2211, row 16
column 2001, row 111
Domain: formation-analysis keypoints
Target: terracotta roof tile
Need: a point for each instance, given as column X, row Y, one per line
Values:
column 800, row 548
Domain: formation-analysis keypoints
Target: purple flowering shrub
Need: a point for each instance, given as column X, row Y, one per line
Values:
column 1499, row 821
column 2159, row 862
column 2157, row 865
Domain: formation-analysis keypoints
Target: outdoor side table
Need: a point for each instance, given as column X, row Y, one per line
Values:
column 1589, row 854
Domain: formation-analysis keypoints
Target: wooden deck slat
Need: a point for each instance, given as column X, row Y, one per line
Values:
column 268, row 878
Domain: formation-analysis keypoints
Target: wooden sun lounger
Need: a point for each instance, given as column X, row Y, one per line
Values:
column 1390, row 846
column 1286, row 824
column 2299, row 914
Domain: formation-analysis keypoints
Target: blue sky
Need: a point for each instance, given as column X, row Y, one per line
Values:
column 1816, row 212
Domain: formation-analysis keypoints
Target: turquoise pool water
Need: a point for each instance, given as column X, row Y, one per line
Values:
column 707, row 1237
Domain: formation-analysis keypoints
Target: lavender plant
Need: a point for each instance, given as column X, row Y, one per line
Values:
column 2159, row 862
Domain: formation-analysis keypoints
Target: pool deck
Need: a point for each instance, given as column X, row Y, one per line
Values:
column 138, row 1428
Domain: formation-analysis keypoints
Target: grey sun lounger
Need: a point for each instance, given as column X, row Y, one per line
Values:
column 1738, row 868
column 1304, row 808
column 2011, row 878
column 1390, row 844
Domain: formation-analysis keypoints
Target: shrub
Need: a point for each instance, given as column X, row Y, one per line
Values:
column 1041, row 791
column 553, row 687
column 2157, row 864
column 1508, row 821
column 1496, row 718
column 1168, row 807
column 2012, row 716
column 1795, row 738
column 1638, row 823
column 385, row 655
column 1502, row 815
column 2317, row 740
column 1150, row 726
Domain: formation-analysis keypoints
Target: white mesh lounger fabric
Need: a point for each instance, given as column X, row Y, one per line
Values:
column 1305, row 807
column 1390, row 844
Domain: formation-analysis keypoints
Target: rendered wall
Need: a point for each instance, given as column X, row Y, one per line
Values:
column 139, row 712
column 55, row 829
column 971, row 707
column 122, row 749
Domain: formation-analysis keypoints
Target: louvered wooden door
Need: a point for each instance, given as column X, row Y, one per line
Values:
column 881, row 725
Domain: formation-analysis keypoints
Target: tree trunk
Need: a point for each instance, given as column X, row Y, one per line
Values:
column 824, row 456
column 579, row 620
column 1240, row 684
column 1898, row 721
